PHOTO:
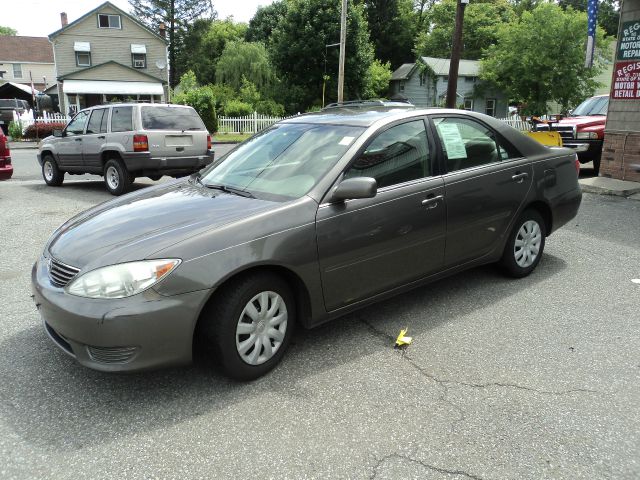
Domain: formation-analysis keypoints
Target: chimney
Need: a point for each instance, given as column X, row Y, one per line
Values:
column 63, row 19
column 163, row 30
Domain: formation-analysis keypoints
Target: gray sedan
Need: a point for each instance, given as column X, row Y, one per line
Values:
column 312, row 218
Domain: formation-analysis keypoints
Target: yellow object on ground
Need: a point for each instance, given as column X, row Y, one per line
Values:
column 402, row 340
column 550, row 139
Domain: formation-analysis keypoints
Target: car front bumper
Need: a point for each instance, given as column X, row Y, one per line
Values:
column 587, row 150
column 141, row 332
column 144, row 163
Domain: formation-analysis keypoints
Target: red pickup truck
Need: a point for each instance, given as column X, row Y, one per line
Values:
column 583, row 130
column 6, row 169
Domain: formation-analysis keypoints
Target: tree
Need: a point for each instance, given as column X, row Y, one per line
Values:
column 205, row 41
column 202, row 99
column 8, row 31
column 297, row 49
column 391, row 32
column 540, row 58
column 481, row 22
column 242, row 60
column 608, row 13
column 265, row 21
column 177, row 15
column 378, row 78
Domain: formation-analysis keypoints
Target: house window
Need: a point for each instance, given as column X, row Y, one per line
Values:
column 470, row 79
column 468, row 103
column 490, row 108
column 83, row 59
column 445, row 79
column 402, row 86
column 139, row 60
column 422, row 79
column 108, row 21
column 17, row 70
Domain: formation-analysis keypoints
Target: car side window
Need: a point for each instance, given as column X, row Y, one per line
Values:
column 121, row 120
column 95, row 121
column 105, row 119
column 76, row 126
column 467, row 143
column 397, row 155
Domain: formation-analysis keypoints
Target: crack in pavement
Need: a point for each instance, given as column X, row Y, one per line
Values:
column 425, row 465
column 444, row 382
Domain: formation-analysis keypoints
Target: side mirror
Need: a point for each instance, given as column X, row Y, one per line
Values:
column 352, row 188
column 57, row 133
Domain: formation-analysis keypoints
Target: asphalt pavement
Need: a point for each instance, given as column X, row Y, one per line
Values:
column 537, row 378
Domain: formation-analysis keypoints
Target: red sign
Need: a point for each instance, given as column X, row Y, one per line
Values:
column 626, row 81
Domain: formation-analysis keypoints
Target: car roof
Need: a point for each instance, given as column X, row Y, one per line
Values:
column 366, row 116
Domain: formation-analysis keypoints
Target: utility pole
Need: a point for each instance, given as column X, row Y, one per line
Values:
column 456, row 49
column 343, row 45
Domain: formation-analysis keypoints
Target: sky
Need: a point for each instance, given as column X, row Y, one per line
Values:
column 39, row 18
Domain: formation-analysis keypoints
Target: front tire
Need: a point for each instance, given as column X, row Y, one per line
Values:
column 247, row 326
column 50, row 172
column 117, row 178
column 525, row 245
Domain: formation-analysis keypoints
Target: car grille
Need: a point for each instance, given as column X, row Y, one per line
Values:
column 566, row 132
column 111, row 354
column 61, row 274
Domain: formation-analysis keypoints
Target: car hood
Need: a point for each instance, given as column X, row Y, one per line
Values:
column 584, row 121
column 136, row 226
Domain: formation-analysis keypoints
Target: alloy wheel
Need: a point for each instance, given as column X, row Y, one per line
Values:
column 112, row 177
column 48, row 171
column 261, row 328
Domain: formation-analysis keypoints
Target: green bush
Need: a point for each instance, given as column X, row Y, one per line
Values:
column 204, row 102
column 237, row 108
column 270, row 107
column 15, row 130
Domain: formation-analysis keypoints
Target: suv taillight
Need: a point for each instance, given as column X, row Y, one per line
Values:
column 208, row 142
column 140, row 143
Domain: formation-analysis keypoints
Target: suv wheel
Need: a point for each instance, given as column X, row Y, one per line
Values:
column 50, row 172
column 116, row 177
column 525, row 245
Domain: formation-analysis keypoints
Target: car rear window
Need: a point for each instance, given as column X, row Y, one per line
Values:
column 9, row 104
column 171, row 118
column 121, row 120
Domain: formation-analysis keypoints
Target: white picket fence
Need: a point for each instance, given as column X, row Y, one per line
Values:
column 517, row 123
column 250, row 124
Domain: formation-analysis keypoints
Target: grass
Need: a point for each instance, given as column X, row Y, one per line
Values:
column 230, row 137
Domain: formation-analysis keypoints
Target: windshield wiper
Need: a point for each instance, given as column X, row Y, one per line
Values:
column 227, row 189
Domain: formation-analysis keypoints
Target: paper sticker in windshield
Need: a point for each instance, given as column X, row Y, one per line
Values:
column 453, row 143
column 346, row 141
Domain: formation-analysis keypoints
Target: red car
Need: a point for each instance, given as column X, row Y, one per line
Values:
column 6, row 169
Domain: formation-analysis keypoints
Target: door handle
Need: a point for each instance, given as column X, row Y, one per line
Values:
column 101, row 137
column 78, row 139
column 432, row 201
column 519, row 177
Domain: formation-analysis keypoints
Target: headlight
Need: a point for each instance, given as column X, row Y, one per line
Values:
column 587, row 135
column 123, row 280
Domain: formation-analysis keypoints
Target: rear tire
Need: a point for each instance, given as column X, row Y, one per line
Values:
column 247, row 326
column 50, row 172
column 117, row 178
column 525, row 245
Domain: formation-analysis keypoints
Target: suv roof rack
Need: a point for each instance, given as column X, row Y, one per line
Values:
column 370, row 103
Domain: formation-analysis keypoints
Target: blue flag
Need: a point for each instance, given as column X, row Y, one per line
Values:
column 592, row 17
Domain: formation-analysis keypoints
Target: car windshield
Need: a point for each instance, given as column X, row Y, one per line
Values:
column 171, row 118
column 592, row 106
column 284, row 161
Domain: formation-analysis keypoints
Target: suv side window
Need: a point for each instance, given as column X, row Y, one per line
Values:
column 121, row 119
column 397, row 155
column 76, row 126
column 467, row 143
column 95, row 121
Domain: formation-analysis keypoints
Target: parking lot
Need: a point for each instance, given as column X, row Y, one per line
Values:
column 533, row 378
